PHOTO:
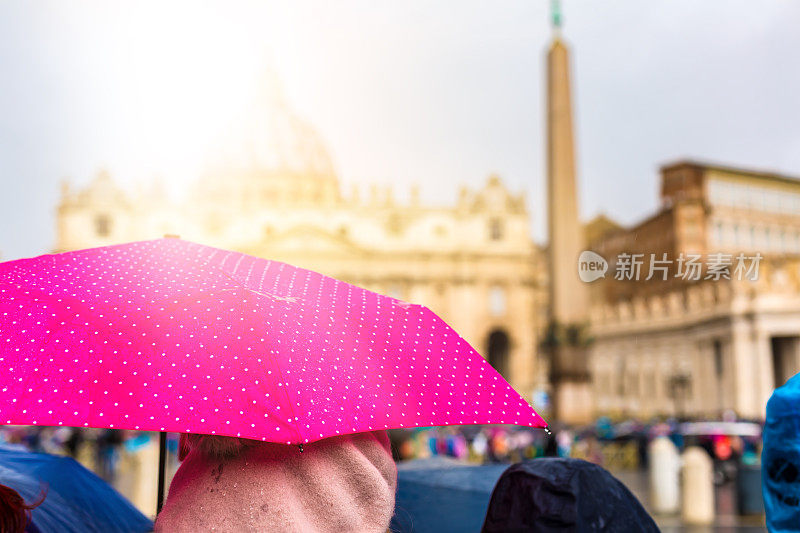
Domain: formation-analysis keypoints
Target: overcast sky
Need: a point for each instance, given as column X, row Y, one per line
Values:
column 438, row 93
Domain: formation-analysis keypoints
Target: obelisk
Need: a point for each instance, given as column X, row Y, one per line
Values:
column 566, row 338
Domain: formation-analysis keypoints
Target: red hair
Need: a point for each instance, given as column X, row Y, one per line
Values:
column 15, row 514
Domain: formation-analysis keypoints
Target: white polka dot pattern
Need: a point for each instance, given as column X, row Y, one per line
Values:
column 168, row 335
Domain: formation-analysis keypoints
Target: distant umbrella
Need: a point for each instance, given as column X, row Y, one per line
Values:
column 76, row 500
column 441, row 494
column 560, row 494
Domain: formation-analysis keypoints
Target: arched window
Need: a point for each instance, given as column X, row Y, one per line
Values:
column 102, row 225
column 496, row 229
column 497, row 352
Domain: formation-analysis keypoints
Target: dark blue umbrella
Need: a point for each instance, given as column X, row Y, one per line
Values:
column 76, row 500
column 559, row 494
column 440, row 494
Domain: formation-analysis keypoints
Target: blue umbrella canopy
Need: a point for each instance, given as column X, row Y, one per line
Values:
column 76, row 500
column 441, row 494
column 780, row 457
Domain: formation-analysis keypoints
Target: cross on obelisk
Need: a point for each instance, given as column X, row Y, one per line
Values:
column 566, row 338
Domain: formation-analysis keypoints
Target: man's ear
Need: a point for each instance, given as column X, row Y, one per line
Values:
column 183, row 447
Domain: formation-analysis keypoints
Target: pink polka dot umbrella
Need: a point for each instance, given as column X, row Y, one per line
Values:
column 169, row 335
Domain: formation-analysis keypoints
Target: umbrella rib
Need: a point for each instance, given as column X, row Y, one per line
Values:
column 290, row 402
column 296, row 425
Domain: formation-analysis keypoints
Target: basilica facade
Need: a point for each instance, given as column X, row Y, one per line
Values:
column 664, row 346
column 273, row 192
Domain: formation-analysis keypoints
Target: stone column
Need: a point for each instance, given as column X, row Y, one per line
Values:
column 795, row 352
column 705, row 381
column 664, row 479
column 762, row 380
column 746, row 358
column 572, row 395
column 697, row 506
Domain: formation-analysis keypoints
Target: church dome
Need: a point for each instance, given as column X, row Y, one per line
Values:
column 271, row 137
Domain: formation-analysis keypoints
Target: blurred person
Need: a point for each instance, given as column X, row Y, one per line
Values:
column 12, row 438
column 564, row 442
column 73, row 442
column 108, row 453
column 722, row 447
column 406, row 450
column 399, row 440
column 641, row 449
column 456, row 444
column 32, row 438
column 15, row 514
column 594, row 452
column 339, row 484
column 479, row 447
column 438, row 444
column 422, row 444
column 737, row 446
column 551, row 445
column 497, row 451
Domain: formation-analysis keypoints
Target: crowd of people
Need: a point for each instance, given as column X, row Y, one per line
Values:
column 102, row 449
column 127, row 459
column 123, row 458
column 612, row 445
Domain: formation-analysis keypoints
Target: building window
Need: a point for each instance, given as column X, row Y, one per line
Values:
column 718, row 233
column 621, row 378
column 394, row 224
column 714, row 196
column 495, row 229
column 719, row 362
column 680, row 389
column 497, row 301
column 102, row 225
column 761, row 199
column 652, row 382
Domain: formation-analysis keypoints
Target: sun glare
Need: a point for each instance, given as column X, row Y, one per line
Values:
column 193, row 69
